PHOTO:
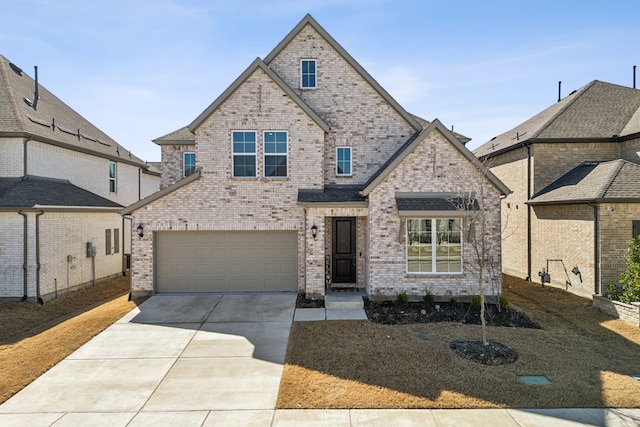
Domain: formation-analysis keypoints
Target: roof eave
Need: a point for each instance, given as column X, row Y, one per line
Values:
column 159, row 194
column 39, row 138
column 364, row 204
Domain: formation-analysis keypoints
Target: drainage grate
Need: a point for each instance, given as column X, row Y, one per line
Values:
column 534, row 379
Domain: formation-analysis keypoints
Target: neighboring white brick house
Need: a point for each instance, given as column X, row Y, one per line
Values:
column 62, row 185
column 309, row 175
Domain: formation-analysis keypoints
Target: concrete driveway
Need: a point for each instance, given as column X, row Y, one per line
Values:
column 175, row 357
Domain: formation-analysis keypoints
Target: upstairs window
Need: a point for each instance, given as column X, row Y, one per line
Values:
column 308, row 74
column 275, row 154
column 244, row 154
column 188, row 163
column 343, row 161
column 113, row 187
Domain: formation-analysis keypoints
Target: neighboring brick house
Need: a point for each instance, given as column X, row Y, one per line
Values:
column 310, row 175
column 62, row 185
column 574, row 172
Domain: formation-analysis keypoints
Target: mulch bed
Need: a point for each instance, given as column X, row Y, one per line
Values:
column 394, row 313
column 492, row 353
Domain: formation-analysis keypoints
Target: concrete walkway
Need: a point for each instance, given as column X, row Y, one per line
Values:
column 217, row 360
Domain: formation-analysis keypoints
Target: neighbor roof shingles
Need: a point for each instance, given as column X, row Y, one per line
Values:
column 42, row 192
column 16, row 116
column 593, row 182
column 597, row 110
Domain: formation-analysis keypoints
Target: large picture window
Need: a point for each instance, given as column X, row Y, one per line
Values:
column 275, row 154
column 434, row 245
column 244, row 154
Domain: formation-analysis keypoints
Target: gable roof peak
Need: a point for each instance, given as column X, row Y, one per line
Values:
column 257, row 64
column 309, row 20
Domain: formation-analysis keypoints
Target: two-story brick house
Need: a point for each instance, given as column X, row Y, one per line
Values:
column 62, row 185
column 308, row 175
column 574, row 171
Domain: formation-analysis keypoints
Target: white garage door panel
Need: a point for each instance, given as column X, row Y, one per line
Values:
column 226, row 261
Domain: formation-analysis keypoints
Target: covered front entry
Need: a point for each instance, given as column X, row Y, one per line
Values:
column 343, row 252
column 226, row 261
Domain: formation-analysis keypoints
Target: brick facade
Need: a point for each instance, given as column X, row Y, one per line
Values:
column 172, row 162
column 360, row 117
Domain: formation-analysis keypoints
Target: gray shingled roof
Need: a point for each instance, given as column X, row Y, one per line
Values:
column 597, row 111
column 434, row 204
column 42, row 192
column 52, row 120
column 616, row 180
column 332, row 194
column 180, row 136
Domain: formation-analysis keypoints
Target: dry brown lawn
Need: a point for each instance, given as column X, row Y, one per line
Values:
column 587, row 356
column 33, row 337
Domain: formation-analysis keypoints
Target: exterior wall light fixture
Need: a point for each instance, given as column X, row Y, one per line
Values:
column 314, row 231
column 140, row 230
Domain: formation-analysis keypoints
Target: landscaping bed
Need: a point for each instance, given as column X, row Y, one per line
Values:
column 587, row 357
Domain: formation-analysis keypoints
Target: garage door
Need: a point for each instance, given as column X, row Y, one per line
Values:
column 226, row 261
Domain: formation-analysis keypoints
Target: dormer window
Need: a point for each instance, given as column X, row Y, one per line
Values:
column 308, row 74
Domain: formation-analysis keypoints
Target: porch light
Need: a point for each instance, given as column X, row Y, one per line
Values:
column 140, row 230
column 314, row 231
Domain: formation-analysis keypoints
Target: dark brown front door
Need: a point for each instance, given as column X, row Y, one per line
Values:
column 344, row 250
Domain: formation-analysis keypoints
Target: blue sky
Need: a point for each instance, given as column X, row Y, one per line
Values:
column 140, row 69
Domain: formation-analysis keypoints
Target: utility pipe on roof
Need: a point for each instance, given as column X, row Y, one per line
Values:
column 25, row 254
column 38, row 296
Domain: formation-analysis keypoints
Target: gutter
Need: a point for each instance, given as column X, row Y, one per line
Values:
column 25, row 255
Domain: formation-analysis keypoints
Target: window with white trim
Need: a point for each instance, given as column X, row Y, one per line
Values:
column 243, row 146
column 343, row 161
column 308, row 74
column 113, row 183
column 188, row 163
column 275, row 154
column 434, row 245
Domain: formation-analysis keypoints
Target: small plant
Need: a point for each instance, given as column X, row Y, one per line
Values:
column 402, row 298
column 630, row 277
column 453, row 300
column 475, row 301
column 612, row 292
column 503, row 301
column 428, row 297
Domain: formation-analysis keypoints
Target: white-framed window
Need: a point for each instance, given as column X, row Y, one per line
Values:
column 243, row 146
column 275, row 154
column 343, row 161
column 434, row 246
column 308, row 74
column 188, row 163
column 113, row 178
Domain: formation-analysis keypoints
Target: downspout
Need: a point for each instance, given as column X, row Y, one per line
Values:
column 24, row 159
column 528, row 213
column 124, row 245
column 25, row 255
column 38, row 296
column 596, row 251
column 305, row 249
column 139, row 183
